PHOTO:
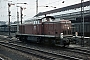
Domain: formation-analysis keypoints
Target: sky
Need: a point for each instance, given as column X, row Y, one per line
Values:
column 30, row 10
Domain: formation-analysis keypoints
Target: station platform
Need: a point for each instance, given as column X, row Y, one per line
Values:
column 74, row 45
column 79, row 46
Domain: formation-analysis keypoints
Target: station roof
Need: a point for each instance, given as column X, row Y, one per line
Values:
column 87, row 3
column 3, row 25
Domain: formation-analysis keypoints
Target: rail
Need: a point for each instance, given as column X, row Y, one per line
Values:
column 1, row 58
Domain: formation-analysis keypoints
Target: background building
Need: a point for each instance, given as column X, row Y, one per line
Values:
column 73, row 13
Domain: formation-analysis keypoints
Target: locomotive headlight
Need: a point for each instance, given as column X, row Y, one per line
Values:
column 67, row 40
column 68, row 27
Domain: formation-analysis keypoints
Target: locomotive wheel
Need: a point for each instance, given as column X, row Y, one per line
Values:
column 52, row 42
column 38, row 40
column 22, row 38
column 66, row 44
column 41, row 41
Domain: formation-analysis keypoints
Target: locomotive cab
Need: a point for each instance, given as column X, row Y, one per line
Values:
column 48, row 19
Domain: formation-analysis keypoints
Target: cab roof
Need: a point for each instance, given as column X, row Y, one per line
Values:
column 49, row 17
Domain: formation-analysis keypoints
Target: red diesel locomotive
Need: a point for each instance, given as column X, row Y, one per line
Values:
column 47, row 30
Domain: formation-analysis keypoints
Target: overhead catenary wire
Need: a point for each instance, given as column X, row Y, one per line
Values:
column 54, row 2
column 41, row 5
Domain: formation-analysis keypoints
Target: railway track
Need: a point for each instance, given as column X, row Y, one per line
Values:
column 72, row 50
column 39, row 53
column 79, row 50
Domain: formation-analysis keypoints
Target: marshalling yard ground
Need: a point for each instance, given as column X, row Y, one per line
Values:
column 10, row 54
